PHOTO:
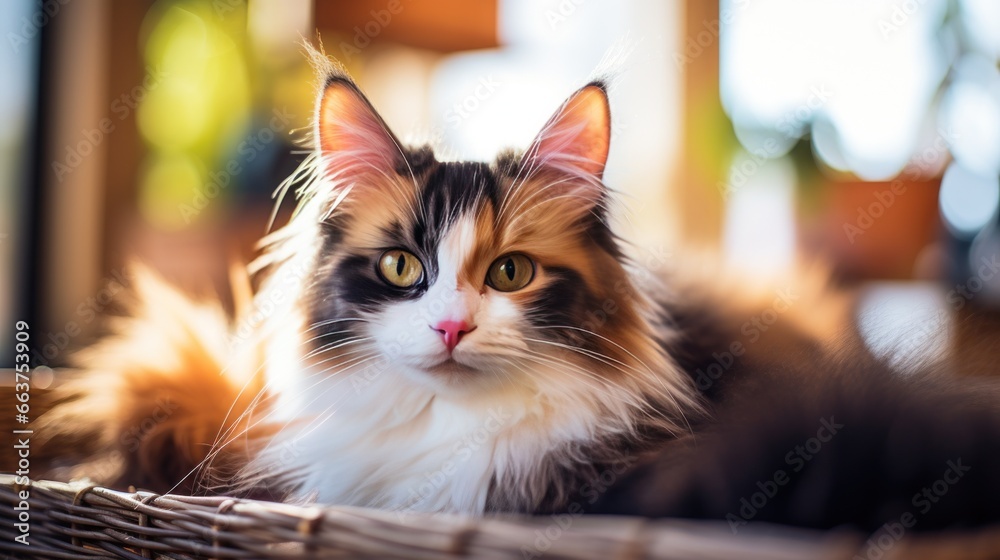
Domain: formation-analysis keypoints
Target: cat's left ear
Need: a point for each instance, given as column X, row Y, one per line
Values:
column 353, row 138
column 577, row 138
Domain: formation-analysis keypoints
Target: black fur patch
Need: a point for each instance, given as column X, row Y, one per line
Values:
column 830, row 444
column 451, row 190
column 358, row 283
column 562, row 302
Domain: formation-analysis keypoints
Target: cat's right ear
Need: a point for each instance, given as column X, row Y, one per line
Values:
column 353, row 138
column 577, row 138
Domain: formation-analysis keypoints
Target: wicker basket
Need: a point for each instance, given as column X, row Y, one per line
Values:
column 82, row 521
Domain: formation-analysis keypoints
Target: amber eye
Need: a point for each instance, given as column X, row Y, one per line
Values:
column 400, row 268
column 510, row 273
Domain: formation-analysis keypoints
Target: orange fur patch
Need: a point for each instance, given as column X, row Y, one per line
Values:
column 155, row 398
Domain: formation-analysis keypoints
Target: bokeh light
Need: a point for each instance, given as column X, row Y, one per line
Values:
column 785, row 63
column 968, row 200
column 197, row 105
column 971, row 114
column 171, row 182
column 905, row 324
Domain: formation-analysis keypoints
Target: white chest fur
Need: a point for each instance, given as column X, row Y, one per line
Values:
column 354, row 437
column 386, row 443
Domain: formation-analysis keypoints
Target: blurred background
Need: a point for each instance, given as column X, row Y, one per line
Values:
column 865, row 133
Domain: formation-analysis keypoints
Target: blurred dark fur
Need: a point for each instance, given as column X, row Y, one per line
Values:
column 897, row 435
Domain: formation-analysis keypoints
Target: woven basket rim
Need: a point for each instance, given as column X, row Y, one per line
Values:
column 83, row 520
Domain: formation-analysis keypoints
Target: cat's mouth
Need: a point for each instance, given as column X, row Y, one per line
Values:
column 451, row 367
column 462, row 367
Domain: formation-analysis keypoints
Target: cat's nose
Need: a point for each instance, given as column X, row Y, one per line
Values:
column 452, row 332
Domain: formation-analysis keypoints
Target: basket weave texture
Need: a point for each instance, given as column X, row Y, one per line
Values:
column 78, row 520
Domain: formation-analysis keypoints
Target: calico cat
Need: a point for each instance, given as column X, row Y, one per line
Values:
column 472, row 337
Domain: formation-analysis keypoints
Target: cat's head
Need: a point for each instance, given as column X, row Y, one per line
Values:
column 467, row 275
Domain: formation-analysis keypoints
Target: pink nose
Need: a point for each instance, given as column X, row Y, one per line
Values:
column 452, row 332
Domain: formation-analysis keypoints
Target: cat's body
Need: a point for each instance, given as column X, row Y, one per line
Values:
column 465, row 337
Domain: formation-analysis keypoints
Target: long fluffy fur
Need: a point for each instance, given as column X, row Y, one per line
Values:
column 859, row 447
column 154, row 397
column 308, row 406
column 554, row 431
